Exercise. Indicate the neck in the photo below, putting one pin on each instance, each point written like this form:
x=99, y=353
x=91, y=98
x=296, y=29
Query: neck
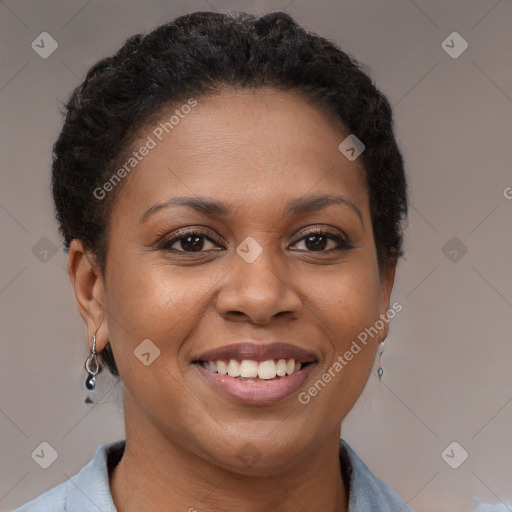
x=156, y=474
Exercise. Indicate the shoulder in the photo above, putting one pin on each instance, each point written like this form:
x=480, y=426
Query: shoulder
x=87, y=491
x=367, y=492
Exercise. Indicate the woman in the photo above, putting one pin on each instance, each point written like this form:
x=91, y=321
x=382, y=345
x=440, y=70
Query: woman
x=232, y=198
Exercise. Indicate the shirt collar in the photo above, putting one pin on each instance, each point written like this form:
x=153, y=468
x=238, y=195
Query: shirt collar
x=89, y=490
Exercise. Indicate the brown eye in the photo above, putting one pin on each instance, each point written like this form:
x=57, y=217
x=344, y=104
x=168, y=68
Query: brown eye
x=189, y=242
x=192, y=243
x=319, y=241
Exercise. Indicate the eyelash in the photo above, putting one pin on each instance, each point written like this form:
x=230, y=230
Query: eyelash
x=166, y=245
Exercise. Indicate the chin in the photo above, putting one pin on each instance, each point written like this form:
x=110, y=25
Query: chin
x=259, y=455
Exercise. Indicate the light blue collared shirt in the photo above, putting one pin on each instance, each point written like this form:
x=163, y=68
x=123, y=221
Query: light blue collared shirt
x=89, y=491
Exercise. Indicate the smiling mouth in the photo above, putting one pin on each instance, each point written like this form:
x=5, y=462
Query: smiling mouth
x=252, y=382
x=247, y=370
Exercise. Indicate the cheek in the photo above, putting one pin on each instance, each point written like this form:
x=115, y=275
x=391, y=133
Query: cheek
x=346, y=302
x=153, y=301
x=345, y=314
x=346, y=308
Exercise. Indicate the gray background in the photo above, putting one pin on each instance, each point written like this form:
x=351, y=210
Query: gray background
x=448, y=359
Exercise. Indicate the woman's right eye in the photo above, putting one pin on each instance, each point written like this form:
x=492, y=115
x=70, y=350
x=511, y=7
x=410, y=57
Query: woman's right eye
x=188, y=242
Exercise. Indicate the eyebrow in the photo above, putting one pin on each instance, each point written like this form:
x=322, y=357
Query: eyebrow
x=215, y=208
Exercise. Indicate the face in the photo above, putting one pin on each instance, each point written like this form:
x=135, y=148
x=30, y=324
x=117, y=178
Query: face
x=271, y=242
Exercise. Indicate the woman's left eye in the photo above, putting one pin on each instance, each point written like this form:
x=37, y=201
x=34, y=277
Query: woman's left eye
x=197, y=242
x=318, y=241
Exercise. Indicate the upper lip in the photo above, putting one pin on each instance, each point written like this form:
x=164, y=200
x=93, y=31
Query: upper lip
x=258, y=352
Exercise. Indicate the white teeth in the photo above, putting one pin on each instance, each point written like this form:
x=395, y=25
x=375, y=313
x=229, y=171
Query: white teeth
x=222, y=368
x=281, y=367
x=249, y=369
x=233, y=368
x=267, y=370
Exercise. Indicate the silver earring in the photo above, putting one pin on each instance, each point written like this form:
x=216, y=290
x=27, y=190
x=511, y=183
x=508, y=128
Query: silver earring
x=92, y=366
x=380, y=371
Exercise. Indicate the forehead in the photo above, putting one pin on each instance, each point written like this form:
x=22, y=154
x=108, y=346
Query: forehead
x=241, y=146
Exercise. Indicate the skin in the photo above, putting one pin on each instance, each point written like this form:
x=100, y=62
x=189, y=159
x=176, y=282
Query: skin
x=254, y=150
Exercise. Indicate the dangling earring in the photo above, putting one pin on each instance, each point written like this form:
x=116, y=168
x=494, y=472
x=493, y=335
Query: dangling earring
x=93, y=367
x=380, y=371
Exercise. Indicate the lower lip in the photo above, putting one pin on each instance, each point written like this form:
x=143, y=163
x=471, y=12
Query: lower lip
x=263, y=392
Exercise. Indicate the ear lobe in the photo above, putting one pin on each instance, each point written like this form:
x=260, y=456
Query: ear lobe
x=88, y=285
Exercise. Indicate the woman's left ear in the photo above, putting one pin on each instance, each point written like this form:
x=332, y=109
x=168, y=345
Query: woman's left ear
x=387, y=280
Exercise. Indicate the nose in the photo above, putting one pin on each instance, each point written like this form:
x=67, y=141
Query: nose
x=258, y=293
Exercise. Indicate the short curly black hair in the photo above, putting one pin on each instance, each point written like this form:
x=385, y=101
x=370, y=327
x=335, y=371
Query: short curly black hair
x=197, y=55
